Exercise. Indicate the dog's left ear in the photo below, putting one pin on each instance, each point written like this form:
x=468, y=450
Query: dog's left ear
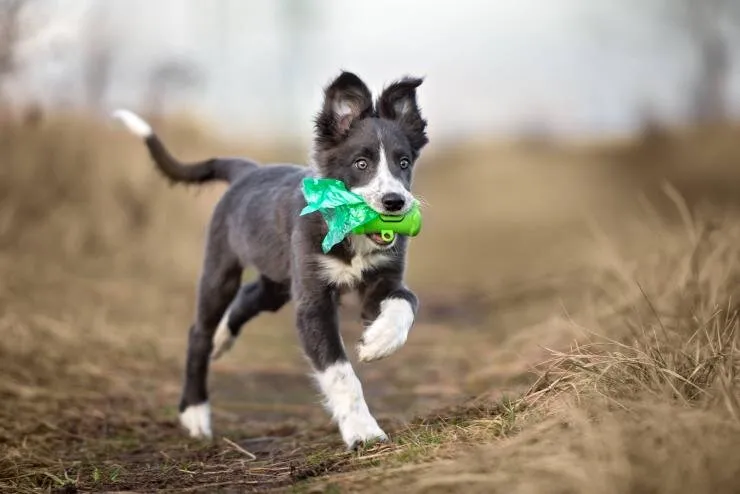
x=398, y=102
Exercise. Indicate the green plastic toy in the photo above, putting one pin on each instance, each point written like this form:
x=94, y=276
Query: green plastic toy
x=346, y=212
x=388, y=226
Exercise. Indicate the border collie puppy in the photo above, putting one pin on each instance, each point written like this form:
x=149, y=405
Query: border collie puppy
x=369, y=145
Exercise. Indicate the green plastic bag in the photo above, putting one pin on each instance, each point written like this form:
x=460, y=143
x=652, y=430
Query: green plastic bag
x=342, y=210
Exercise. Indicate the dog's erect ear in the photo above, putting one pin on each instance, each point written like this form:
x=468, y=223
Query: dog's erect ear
x=346, y=100
x=398, y=102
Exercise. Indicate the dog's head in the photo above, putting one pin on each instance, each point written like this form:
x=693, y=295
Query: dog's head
x=371, y=147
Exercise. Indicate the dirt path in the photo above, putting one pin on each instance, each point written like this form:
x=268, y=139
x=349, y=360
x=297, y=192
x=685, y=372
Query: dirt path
x=99, y=413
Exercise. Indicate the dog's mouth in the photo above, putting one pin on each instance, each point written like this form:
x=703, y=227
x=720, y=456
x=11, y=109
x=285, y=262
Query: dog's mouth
x=378, y=239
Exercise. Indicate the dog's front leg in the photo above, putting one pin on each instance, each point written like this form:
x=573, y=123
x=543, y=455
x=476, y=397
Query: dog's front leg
x=316, y=312
x=390, y=308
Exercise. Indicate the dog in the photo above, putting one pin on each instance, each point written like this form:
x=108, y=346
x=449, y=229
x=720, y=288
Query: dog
x=371, y=146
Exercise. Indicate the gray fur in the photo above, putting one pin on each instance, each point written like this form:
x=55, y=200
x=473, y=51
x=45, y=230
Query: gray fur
x=257, y=224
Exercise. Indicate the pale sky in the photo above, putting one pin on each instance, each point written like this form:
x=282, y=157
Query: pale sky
x=490, y=65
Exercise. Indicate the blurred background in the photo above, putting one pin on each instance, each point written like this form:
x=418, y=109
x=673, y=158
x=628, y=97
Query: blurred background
x=568, y=68
x=568, y=138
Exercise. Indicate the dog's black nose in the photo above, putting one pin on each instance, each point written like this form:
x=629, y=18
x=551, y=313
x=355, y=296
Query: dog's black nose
x=393, y=202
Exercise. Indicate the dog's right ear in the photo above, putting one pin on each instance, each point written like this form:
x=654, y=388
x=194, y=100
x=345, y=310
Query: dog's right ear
x=346, y=100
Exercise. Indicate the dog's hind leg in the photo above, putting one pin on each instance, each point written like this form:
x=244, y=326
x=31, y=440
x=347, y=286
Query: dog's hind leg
x=263, y=295
x=218, y=285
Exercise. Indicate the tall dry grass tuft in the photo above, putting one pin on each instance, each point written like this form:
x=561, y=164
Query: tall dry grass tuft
x=678, y=339
x=654, y=448
x=663, y=362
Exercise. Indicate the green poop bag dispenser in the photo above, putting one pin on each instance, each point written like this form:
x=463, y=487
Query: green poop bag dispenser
x=388, y=226
x=347, y=213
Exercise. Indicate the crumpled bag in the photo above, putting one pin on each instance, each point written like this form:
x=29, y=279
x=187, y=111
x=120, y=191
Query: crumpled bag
x=342, y=210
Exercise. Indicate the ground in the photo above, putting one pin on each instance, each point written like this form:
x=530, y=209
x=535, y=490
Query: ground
x=577, y=331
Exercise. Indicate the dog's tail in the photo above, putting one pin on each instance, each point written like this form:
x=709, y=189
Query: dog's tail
x=225, y=169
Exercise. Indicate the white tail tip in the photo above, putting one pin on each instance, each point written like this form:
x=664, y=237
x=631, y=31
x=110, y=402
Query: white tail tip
x=133, y=123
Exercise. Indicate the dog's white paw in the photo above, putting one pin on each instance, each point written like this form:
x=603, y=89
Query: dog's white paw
x=360, y=428
x=223, y=340
x=197, y=420
x=345, y=401
x=388, y=332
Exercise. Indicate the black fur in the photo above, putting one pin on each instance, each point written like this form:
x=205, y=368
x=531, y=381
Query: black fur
x=398, y=103
x=349, y=90
x=257, y=224
x=253, y=298
x=380, y=285
x=203, y=171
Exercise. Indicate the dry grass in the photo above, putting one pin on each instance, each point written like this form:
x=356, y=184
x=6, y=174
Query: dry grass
x=646, y=401
x=636, y=388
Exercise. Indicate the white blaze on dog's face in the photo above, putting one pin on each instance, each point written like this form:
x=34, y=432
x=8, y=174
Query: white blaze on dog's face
x=386, y=191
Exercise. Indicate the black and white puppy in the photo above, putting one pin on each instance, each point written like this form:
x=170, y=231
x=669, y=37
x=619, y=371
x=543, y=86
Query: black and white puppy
x=372, y=148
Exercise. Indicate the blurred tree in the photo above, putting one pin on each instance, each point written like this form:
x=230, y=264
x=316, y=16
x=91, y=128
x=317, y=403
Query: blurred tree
x=173, y=75
x=99, y=56
x=536, y=133
x=708, y=29
x=297, y=19
x=10, y=37
x=709, y=26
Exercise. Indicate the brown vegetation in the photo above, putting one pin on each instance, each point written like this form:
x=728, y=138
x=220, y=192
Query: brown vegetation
x=585, y=343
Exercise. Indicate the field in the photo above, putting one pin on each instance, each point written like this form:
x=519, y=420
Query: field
x=578, y=330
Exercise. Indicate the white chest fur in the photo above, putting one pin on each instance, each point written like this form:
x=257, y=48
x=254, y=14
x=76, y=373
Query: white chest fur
x=340, y=273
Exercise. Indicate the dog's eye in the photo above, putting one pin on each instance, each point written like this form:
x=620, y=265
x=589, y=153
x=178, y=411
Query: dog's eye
x=404, y=163
x=361, y=164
